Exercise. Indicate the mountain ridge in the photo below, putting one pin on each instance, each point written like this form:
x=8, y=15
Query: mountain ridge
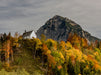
x=58, y=28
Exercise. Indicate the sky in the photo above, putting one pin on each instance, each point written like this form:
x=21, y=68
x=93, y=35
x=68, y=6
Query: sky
x=21, y=15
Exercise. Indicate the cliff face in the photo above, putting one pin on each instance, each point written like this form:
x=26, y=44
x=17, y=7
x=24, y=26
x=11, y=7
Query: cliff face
x=58, y=28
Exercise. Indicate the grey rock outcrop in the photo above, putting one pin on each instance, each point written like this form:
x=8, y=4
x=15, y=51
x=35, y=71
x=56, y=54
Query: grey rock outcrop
x=58, y=28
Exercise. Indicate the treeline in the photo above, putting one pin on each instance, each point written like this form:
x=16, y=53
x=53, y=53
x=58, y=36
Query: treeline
x=7, y=46
x=75, y=57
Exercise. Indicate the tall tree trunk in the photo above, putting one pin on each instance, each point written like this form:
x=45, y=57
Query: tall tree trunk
x=7, y=53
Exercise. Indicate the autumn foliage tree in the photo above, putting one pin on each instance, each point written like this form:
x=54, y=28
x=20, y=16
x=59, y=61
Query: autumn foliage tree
x=74, y=57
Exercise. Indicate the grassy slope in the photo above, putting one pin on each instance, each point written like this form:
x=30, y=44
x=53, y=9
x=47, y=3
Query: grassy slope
x=24, y=59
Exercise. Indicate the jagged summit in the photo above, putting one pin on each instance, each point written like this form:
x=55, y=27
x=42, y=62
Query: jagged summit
x=57, y=17
x=58, y=28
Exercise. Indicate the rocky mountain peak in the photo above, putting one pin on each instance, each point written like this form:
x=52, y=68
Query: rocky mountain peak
x=58, y=28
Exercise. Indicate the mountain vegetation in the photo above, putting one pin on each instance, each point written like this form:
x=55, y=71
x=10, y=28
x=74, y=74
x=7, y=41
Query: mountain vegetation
x=62, y=48
x=43, y=56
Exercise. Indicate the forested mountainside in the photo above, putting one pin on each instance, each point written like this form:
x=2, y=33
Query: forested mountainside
x=62, y=48
x=59, y=28
x=43, y=56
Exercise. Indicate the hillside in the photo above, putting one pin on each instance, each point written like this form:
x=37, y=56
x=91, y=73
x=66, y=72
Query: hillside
x=59, y=28
x=46, y=56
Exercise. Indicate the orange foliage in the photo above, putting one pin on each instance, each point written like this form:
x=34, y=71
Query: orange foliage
x=59, y=67
x=51, y=60
x=96, y=66
x=84, y=42
x=47, y=52
x=8, y=50
x=75, y=40
x=72, y=59
x=87, y=67
x=90, y=58
x=62, y=44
